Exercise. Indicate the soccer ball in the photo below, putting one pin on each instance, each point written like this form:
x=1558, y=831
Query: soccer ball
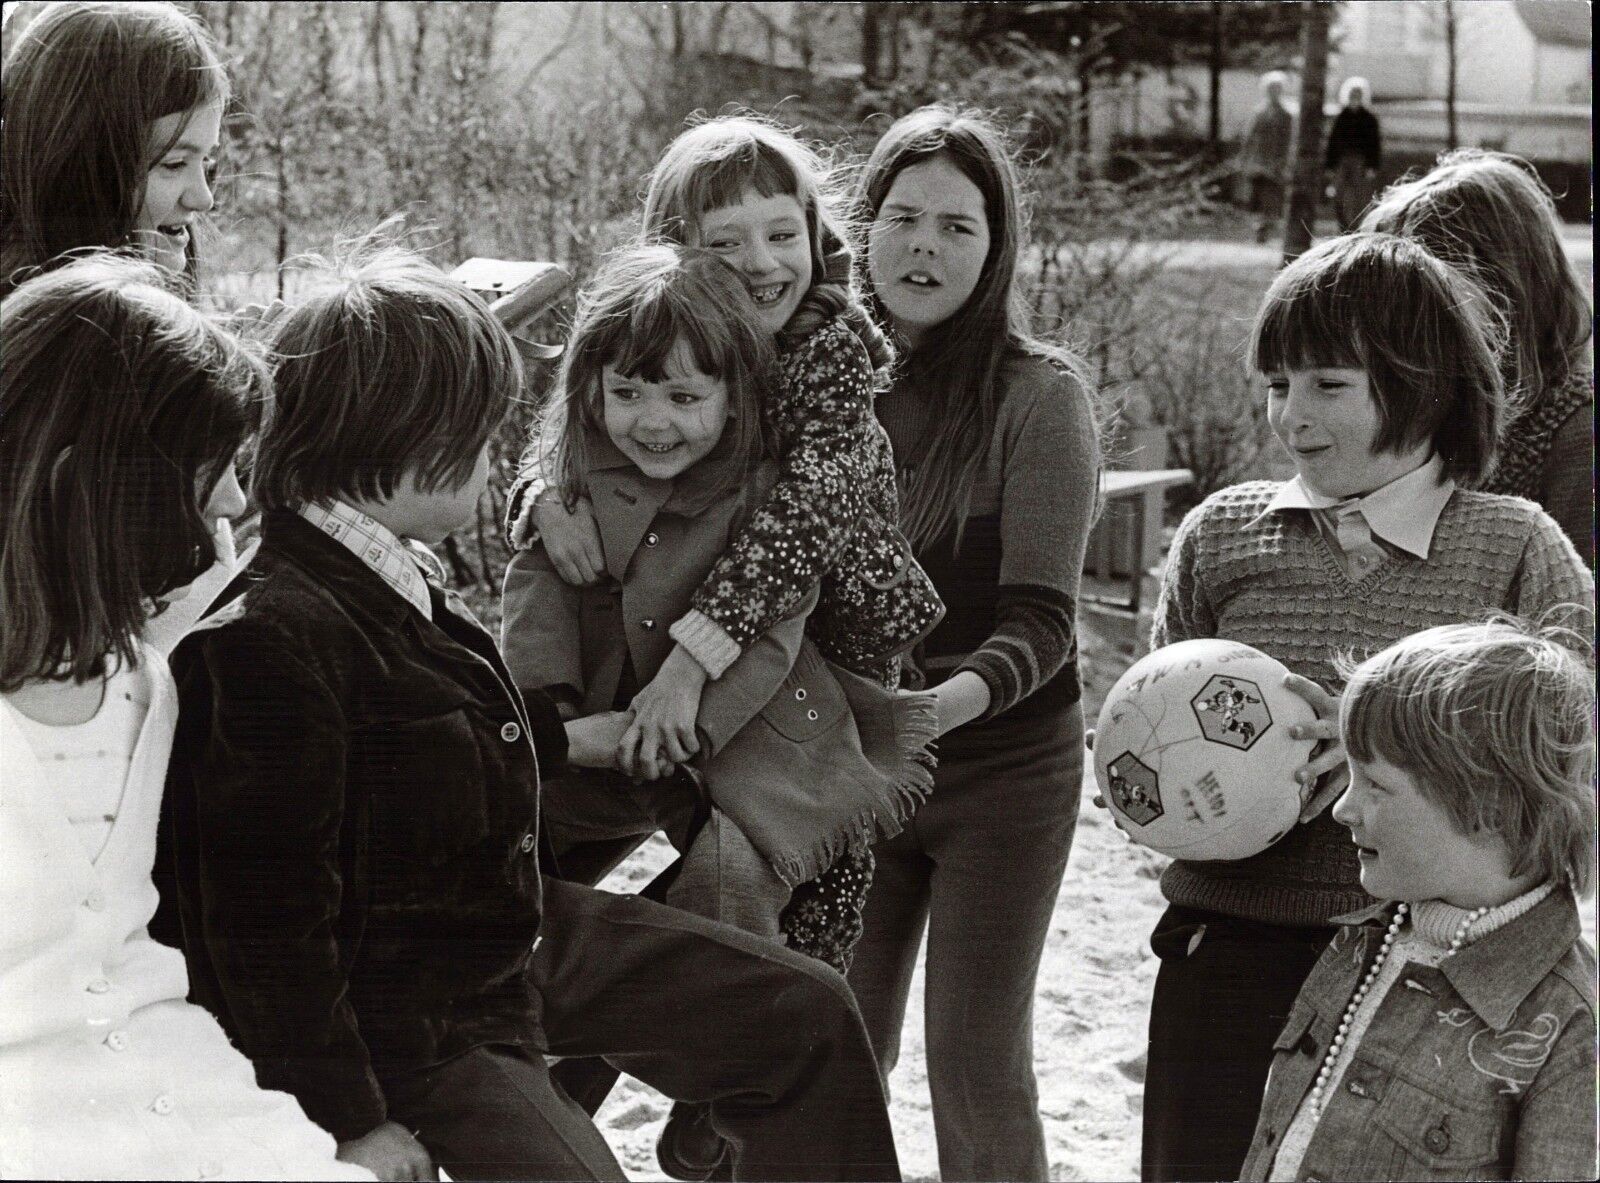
x=1193, y=754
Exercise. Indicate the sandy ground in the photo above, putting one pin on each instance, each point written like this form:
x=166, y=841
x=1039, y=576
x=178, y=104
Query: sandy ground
x=1089, y=1022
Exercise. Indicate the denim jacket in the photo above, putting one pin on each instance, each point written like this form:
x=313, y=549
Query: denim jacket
x=1482, y=1068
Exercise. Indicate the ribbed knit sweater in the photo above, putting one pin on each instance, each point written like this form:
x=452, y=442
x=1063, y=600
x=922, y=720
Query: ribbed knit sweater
x=1011, y=589
x=1271, y=582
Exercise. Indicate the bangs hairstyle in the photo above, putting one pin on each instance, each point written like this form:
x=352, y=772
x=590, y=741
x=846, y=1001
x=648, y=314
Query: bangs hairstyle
x=959, y=368
x=1490, y=215
x=391, y=368
x=649, y=309
x=120, y=409
x=1496, y=723
x=716, y=163
x=1426, y=336
x=82, y=87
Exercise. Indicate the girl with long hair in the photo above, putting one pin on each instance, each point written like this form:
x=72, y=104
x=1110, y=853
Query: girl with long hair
x=999, y=463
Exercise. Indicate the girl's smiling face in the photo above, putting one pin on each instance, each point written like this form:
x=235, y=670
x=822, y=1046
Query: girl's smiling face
x=766, y=241
x=665, y=427
x=1411, y=849
x=177, y=189
x=1327, y=420
x=927, y=245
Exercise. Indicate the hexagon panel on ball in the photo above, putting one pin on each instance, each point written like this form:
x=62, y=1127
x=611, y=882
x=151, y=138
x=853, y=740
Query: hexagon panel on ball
x=1231, y=711
x=1135, y=789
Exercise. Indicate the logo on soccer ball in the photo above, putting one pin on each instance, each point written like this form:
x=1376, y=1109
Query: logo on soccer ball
x=1231, y=711
x=1135, y=789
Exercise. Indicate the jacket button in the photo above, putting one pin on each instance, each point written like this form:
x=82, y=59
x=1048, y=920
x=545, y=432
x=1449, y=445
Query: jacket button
x=812, y=715
x=800, y=694
x=511, y=733
x=651, y=539
x=648, y=624
x=117, y=1041
x=1437, y=1140
x=162, y=1105
x=99, y=986
x=528, y=843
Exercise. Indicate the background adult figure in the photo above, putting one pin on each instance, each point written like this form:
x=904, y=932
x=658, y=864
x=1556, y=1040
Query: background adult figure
x=1490, y=214
x=1264, y=154
x=1354, y=149
x=998, y=461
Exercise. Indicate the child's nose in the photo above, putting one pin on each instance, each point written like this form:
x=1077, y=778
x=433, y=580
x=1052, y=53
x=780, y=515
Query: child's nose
x=758, y=259
x=1344, y=809
x=198, y=198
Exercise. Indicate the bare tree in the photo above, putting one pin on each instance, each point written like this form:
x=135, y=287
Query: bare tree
x=1305, y=185
x=1452, y=30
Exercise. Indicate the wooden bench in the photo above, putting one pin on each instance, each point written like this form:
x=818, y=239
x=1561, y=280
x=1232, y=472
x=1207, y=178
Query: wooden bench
x=1134, y=512
x=519, y=293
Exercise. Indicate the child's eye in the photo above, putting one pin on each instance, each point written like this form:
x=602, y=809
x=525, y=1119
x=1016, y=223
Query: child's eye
x=961, y=228
x=784, y=236
x=622, y=393
x=685, y=398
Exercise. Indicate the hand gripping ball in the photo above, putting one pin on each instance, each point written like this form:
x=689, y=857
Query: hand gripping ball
x=1193, y=754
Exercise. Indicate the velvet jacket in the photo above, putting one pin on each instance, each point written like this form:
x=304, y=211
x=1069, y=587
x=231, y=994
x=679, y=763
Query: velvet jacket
x=351, y=824
x=1482, y=1068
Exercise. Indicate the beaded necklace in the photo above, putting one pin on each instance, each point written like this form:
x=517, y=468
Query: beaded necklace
x=1360, y=995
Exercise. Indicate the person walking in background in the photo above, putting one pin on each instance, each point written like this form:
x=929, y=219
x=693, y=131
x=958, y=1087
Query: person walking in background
x=998, y=456
x=1489, y=214
x=1354, y=150
x=1264, y=154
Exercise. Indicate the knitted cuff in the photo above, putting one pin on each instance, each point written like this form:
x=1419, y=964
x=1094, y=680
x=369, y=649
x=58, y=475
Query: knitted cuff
x=519, y=502
x=706, y=641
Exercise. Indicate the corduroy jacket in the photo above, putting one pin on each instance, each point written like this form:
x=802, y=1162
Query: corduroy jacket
x=351, y=825
x=1483, y=1068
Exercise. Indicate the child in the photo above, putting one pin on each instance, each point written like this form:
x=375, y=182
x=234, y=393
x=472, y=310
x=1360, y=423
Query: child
x=753, y=194
x=121, y=409
x=1450, y=1031
x=113, y=113
x=1384, y=389
x=354, y=812
x=1490, y=215
x=658, y=423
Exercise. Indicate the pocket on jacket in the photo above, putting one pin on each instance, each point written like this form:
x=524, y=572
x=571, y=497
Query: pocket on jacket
x=809, y=702
x=1434, y=1138
x=427, y=782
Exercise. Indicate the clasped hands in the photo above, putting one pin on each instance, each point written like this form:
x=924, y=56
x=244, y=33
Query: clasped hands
x=655, y=735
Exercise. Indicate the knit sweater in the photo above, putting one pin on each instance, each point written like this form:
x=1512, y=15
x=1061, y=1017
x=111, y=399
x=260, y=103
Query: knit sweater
x=1270, y=581
x=1011, y=589
x=1547, y=455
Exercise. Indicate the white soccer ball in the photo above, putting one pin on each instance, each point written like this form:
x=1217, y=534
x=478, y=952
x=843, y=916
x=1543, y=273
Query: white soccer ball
x=1193, y=754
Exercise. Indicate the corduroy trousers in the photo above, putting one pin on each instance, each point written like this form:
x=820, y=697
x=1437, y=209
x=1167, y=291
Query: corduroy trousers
x=979, y=867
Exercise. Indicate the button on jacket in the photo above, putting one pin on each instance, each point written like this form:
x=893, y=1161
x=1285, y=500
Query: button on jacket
x=1483, y=1068
x=351, y=814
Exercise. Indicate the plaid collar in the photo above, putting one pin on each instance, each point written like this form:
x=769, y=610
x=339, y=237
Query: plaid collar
x=397, y=562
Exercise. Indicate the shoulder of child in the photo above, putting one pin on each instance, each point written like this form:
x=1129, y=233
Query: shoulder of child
x=834, y=340
x=1577, y=970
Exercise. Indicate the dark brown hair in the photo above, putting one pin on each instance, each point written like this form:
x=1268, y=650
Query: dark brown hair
x=1426, y=336
x=120, y=408
x=959, y=368
x=643, y=303
x=391, y=368
x=82, y=87
x=1490, y=215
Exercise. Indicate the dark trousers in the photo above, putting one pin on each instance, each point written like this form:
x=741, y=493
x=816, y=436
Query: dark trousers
x=703, y=1012
x=979, y=867
x=1223, y=992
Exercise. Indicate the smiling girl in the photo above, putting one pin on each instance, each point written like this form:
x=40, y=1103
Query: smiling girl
x=750, y=193
x=1382, y=385
x=112, y=118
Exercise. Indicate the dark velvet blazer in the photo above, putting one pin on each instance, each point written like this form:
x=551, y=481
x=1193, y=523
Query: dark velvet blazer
x=349, y=832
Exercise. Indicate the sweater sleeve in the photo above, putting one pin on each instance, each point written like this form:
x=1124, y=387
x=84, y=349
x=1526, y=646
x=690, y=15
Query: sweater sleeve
x=799, y=531
x=1183, y=611
x=1554, y=586
x=1566, y=487
x=270, y=822
x=1049, y=491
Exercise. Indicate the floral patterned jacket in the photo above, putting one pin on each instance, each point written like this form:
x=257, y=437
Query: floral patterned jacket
x=1483, y=1068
